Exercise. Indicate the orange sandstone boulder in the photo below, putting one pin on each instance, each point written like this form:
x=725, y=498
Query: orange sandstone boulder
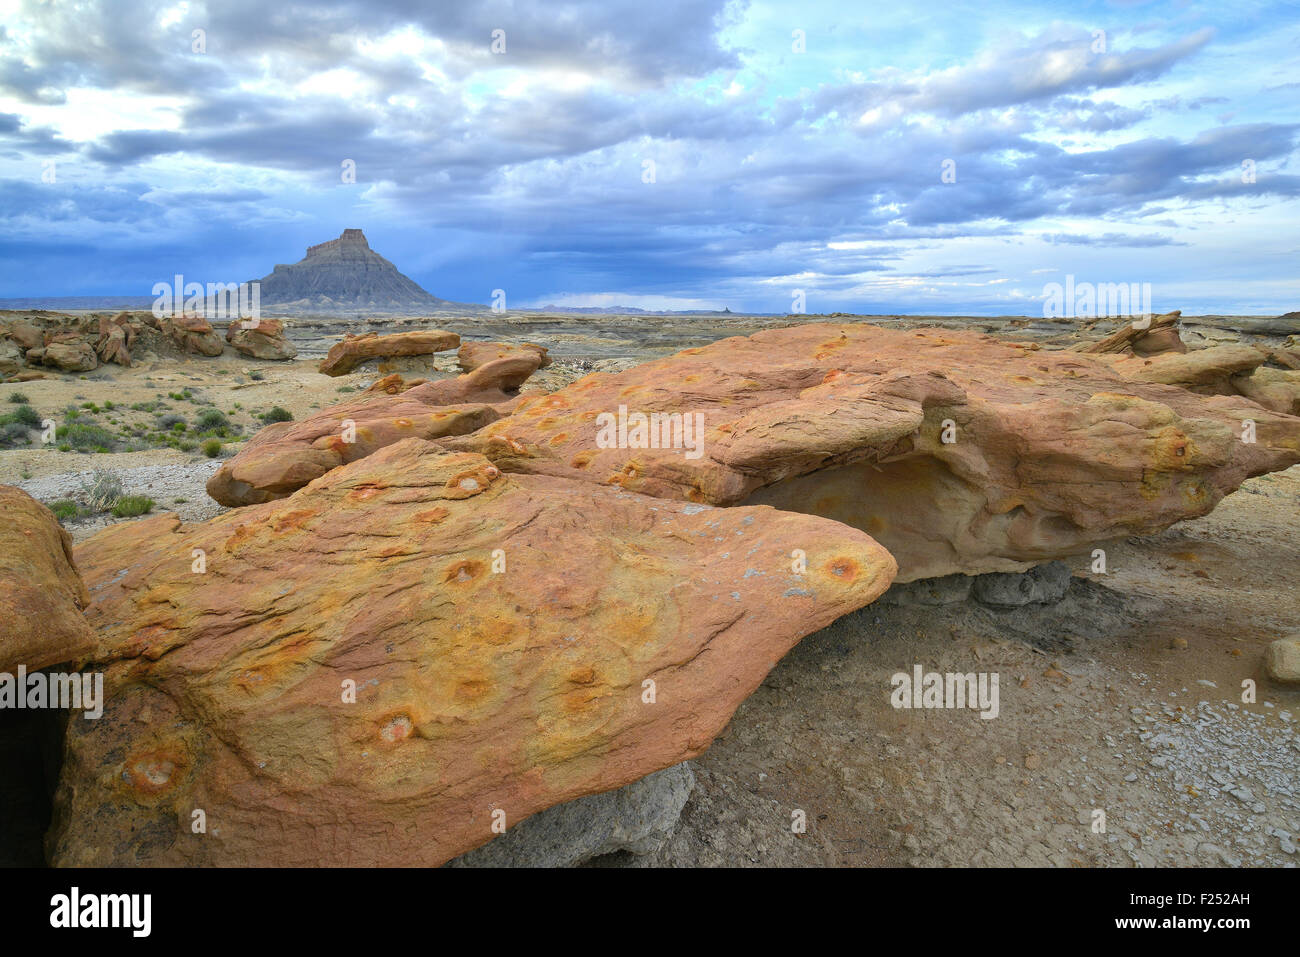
x=115, y=337
x=957, y=451
x=286, y=456
x=474, y=354
x=377, y=669
x=193, y=335
x=260, y=339
x=348, y=353
x=41, y=596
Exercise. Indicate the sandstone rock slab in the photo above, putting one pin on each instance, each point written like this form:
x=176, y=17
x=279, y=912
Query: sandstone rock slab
x=284, y=457
x=614, y=639
x=957, y=451
x=348, y=353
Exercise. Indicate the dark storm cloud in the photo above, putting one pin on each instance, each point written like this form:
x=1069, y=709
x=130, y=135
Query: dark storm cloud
x=533, y=160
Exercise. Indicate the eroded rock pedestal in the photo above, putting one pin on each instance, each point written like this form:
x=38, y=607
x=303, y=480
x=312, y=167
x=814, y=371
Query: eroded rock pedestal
x=512, y=642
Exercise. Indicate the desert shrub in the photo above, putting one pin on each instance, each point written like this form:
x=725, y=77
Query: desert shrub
x=65, y=509
x=103, y=490
x=211, y=419
x=12, y=434
x=88, y=438
x=129, y=506
x=170, y=421
x=212, y=448
x=18, y=397
x=254, y=375
x=276, y=414
x=24, y=415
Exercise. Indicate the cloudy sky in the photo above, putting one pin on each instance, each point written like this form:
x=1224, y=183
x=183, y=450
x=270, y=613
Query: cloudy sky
x=666, y=154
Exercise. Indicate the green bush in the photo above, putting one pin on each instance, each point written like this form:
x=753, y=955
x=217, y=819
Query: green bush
x=276, y=414
x=211, y=419
x=23, y=415
x=18, y=397
x=170, y=421
x=212, y=448
x=88, y=438
x=129, y=506
x=65, y=509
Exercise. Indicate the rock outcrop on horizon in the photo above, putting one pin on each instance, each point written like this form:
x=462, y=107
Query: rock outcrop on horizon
x=375, y=670
x=957, y=451
x=344, y=273
x=284, y=457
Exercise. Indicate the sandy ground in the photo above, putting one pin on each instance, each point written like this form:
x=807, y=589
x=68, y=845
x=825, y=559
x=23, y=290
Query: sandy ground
x=1125, y=698
x=1102, y=708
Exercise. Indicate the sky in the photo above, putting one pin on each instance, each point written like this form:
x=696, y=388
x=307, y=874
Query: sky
x=678, y=154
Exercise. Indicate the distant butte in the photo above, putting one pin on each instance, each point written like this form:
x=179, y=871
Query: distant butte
x=344, y=274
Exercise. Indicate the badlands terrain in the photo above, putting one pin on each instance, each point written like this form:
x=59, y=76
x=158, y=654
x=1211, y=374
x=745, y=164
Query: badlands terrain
x=1120, y=687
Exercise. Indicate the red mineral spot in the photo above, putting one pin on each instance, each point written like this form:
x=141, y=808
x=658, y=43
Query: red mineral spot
x=397, y=728
x=843, y=568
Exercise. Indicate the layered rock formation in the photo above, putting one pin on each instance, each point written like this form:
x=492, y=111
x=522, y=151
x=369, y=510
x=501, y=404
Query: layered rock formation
x=40, y=592
x=1159, y=334
x=416, y=647
x=344, y=273
x=959, y=452
x=284, y=457
x=349, y=352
